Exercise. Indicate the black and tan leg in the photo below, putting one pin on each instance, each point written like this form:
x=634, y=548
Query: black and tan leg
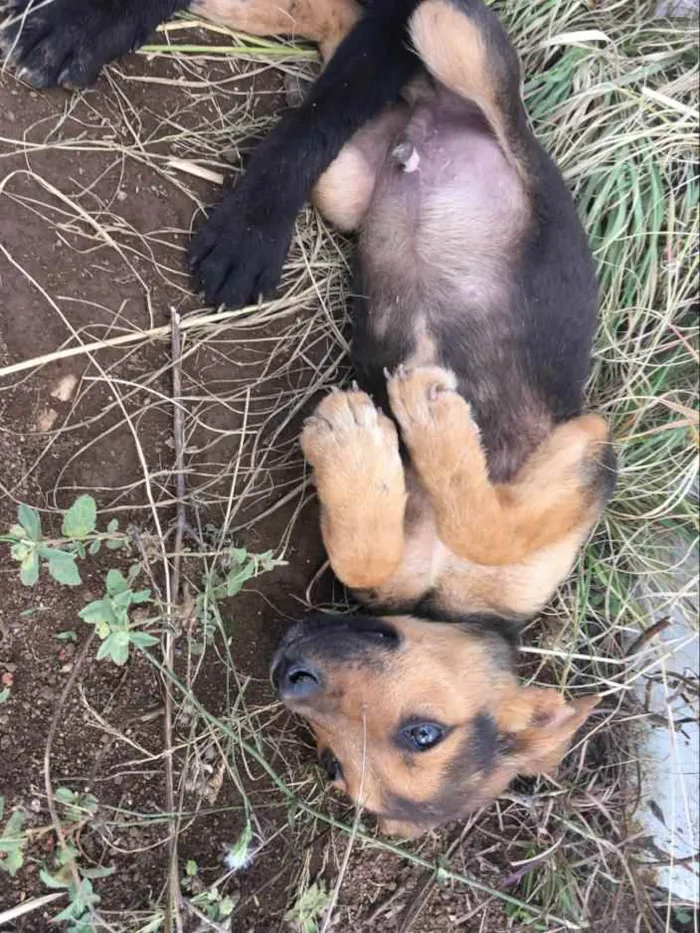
x=464, y=47
x=343, y=192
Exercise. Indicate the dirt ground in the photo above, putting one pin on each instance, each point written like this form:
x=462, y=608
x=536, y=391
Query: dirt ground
x=59, y=274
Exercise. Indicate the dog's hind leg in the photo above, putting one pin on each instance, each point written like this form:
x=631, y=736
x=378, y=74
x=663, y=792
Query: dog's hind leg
x=343, y=192
x=559, y=492
x=464, y=47
x=354, y=451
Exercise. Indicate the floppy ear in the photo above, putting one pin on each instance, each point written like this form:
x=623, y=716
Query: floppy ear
x=537, y=725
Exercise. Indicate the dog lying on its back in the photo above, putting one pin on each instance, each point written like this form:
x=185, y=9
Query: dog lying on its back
x=473, y=329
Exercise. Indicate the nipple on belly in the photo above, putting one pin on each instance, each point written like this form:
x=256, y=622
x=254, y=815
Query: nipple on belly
x=406, y=155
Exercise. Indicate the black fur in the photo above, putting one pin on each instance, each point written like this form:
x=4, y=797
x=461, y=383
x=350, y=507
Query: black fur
x=238, y=254
x=68, y=41
x=338, y=637
x=506, y=629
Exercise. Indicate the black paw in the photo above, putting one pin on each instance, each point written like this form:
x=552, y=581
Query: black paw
x=237, y=256
x=67, y=42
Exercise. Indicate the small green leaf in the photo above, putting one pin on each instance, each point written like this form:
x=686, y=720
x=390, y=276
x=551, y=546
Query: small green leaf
x=238, y=555
x=4, y=695
x=116, y=647
x=52, y=881
x=237, y=577
x=21, y=549
x=65, y=795
x=99, y=610
x=16, y=531
x=105, y=649
x=113, y=526
x=191, y=868
x=29, y=569
x=116, y=583
x=142, y=639
x=12, y=844
x=30, y=520
x=95, y=547
x=268, y=562
x=63, y=568
x=66, y=636
x=141, y=596
x=80, y=519
x=121, y=602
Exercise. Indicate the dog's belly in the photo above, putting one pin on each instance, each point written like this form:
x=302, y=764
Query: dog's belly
x=438, y=252
x=447, y=209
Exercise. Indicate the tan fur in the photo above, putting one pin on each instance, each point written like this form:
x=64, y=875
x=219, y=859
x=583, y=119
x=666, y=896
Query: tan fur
x=548, y=499
x=326, y=22
x=477, y=546
x=427, y=564
x=354, y=451
x=344, y=191
x=456, y=677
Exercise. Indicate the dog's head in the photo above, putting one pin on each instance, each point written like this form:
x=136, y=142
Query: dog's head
x=420, y=722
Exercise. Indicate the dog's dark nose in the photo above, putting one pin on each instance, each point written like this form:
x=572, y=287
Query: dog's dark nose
x=295, y=680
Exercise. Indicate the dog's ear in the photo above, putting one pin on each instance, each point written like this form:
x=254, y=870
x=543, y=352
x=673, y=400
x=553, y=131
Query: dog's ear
x=537, y=724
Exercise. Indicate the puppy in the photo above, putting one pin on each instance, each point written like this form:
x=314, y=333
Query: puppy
x=455, y=515
x=454, y=519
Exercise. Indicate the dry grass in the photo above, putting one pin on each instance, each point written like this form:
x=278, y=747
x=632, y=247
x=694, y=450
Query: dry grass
x=613, y=94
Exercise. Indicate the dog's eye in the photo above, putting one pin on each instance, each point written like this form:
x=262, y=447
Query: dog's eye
x=331, y=765
x=423, y=735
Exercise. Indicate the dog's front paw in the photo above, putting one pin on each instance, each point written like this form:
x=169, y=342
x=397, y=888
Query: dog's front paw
x=347, y=435
x=67, y=42
x=354, y=450
x=436, y=422
x=425, y=398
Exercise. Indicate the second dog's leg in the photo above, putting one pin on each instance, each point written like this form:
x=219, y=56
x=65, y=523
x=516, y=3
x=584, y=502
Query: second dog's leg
x=325, y=22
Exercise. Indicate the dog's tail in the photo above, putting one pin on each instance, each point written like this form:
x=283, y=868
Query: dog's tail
x=465, y=48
